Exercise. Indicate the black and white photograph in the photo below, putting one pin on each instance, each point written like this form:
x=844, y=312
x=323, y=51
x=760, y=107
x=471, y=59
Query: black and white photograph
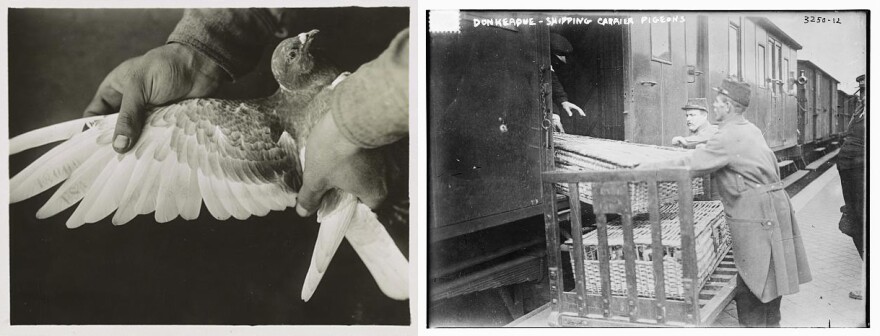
x=647, y=168
x=209, y=166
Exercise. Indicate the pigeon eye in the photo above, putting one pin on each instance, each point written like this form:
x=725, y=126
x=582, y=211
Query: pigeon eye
x=292, y=54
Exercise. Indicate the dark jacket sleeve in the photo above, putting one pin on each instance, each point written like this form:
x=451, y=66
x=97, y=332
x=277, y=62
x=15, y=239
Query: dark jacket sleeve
x=371, y=107
x=234, y=38
x=852, y=152
x=559, y=95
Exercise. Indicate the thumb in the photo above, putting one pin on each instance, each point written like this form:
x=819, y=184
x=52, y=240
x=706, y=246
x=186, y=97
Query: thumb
x=310, y=195
x=131, y=117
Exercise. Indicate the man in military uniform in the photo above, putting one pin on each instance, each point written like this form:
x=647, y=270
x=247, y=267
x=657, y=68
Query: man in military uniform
x=698, y=124
x=851, y=166
x=767, y=245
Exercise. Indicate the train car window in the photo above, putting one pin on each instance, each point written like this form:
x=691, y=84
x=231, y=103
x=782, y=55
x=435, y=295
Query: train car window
x=762, y=67
x=776, y=64
x=734, y=52
x=789, y=82
x=778, y=60
x=660, y=44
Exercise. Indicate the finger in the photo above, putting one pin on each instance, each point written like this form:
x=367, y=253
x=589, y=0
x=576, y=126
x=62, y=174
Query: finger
x=131, y=116
x=310, y=195
x=106, y=101
x=374, y=197
x=582, y=112
x=368, y=179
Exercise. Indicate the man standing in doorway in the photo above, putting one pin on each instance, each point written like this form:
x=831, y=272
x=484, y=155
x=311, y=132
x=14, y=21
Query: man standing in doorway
x=559, y=48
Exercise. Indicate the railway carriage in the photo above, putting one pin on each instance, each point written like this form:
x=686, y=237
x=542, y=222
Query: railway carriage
x=490, y=105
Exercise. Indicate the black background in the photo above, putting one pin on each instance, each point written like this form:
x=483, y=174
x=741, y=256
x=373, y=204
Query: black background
x=182, y=272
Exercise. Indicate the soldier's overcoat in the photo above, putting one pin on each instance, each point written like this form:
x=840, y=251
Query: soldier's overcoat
x=768, y=249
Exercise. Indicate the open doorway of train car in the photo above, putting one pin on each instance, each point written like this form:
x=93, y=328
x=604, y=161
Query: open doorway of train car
x=596, y=75
x=593, y=78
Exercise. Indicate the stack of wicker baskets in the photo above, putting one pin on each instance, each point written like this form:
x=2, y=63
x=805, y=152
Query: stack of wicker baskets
x=582, y=153
x=712, y=243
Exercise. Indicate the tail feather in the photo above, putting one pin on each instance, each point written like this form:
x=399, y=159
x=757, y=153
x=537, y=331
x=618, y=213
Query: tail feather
x=384, y=260
x=335, y=216
x=375, y=247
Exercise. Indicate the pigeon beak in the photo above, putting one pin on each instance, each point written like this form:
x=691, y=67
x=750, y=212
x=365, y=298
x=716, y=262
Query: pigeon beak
x=307, y=38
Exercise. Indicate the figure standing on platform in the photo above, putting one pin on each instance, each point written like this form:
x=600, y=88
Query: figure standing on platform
x=698, y=124
x=767, y=244
x=851, y=167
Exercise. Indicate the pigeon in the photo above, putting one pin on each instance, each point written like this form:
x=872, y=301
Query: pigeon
x=241, y=158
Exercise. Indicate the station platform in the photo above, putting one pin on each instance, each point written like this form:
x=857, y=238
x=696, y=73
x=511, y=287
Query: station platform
x=834, y=262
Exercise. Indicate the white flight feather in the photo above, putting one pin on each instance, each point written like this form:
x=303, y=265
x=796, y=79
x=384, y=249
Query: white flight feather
x=166, y=201
x=50, y=134
x=51, y=168
x=140, y=193
x=191, y=204
x=210, y=197
x=150, y=193
x=114, y=186
x=78, y=218
x=76, y=186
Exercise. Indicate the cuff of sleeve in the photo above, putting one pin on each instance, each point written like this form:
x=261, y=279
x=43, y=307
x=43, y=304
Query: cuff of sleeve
x=232, y=38
x=371, y=107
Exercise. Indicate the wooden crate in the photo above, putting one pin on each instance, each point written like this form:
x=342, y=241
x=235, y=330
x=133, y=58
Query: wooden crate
x=712, y=243
x=699, y=305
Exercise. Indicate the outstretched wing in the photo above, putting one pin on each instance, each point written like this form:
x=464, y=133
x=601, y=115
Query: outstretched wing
x=234, y=157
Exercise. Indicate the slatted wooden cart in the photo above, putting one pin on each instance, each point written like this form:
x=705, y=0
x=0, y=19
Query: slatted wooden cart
x=702, y=301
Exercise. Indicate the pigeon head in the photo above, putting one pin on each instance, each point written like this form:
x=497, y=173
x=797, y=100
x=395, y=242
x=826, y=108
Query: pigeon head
x=292, y=62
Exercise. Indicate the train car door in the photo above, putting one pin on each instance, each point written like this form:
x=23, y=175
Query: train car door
x=696, y=49
x=485, y=123
x=774, y=123
x=659, y=79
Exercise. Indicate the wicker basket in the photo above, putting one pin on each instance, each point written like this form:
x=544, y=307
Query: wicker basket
x=712, y=243
x=582, y=153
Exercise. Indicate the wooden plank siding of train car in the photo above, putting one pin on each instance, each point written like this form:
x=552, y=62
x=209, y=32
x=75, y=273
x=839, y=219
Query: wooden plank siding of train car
x=773, y=108
x=486, y=116
x=808, y=104
x=658, y=83
x=819, y=102
x=790, y=119
x=732, y=49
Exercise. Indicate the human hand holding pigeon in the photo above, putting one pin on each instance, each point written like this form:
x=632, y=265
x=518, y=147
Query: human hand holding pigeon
x=341, y=164
x=162, y=75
